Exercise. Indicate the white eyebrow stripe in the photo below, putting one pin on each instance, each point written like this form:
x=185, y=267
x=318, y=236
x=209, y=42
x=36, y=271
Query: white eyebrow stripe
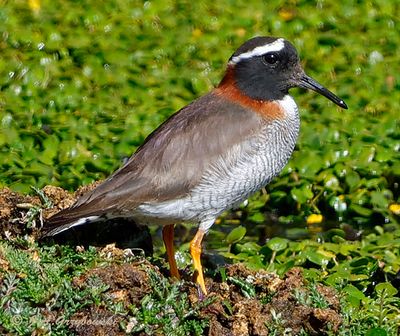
x=277, y=45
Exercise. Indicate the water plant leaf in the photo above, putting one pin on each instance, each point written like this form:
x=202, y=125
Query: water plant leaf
x=236, y=235
x=277, y=244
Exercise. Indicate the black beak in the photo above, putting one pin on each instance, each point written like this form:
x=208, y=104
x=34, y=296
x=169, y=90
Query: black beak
x=307, y=82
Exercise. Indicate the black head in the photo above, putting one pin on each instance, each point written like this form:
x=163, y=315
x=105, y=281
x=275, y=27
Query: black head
x=265, y=68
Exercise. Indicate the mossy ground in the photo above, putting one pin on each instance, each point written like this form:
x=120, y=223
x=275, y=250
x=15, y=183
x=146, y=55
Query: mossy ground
x=71, y=289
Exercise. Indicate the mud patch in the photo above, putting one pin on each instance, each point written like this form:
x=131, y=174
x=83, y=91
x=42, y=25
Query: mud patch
x=24, y=214
x=127, y=284
x=14, y=208
x=273, y=308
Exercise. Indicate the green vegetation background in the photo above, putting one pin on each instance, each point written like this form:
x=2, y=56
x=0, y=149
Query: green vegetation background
x=83, y=83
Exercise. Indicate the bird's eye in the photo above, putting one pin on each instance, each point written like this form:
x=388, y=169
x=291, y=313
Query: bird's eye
x=271, y=58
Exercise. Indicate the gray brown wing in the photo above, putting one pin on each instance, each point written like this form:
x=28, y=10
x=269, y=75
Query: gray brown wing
x=173, y=158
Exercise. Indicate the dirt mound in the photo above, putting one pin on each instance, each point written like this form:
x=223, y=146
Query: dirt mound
x=242, y=301
x=273, y=305
x=24, y=214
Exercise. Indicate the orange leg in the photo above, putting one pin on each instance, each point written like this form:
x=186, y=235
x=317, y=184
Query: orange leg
x=168, y=237
x=195, y=251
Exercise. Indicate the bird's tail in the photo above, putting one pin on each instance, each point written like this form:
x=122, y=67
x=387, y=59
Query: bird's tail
x=68, y=218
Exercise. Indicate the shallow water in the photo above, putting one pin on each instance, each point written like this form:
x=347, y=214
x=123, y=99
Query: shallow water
x=258, y=233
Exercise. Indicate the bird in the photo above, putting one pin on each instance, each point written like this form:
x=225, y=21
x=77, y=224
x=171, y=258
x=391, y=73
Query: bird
x=211, y=155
